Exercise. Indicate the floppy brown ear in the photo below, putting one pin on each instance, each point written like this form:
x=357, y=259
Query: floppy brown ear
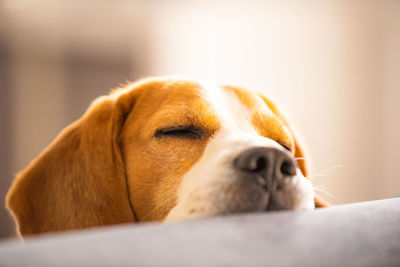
x=79, y=180
x=299, y=148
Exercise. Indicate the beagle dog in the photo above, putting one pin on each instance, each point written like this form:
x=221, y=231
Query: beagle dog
x=164, y=149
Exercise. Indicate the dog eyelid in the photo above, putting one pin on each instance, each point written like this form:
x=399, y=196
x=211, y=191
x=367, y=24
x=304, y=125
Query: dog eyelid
x=286, y=147
x=189, y=132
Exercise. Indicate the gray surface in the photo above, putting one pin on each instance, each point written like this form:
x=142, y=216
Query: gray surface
x=363, y=234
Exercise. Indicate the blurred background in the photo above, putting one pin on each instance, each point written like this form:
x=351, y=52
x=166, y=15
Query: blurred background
x=333, y=65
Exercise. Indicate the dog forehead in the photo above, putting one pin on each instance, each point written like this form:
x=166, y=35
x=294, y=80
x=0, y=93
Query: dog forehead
x=179, y=100
x=234, y=107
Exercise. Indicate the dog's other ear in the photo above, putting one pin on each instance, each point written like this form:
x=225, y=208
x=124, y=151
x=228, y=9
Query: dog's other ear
x=300, y=153
x=79, y=180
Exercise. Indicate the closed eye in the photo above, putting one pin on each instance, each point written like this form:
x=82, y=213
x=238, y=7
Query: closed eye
x=286, y=147
x=188, y=132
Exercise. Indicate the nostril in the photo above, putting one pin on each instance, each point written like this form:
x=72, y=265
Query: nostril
x=288, y=168
x=261, y=164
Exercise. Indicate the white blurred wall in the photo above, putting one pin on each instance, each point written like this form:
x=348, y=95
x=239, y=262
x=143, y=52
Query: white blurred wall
x=333, y=65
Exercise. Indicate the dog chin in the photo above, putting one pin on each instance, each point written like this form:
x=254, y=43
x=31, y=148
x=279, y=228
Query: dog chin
x=219, y=199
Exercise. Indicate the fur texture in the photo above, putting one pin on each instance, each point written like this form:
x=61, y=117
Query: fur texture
x=111, y=167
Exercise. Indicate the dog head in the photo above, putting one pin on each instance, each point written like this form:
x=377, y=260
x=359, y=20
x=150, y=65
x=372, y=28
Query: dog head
x=164, y=149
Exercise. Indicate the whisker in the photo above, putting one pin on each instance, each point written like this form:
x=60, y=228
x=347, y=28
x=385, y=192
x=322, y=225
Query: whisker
x=316, y=188
x=323, y=173
x=303, y=158
x=317, y=175
x=329, y=169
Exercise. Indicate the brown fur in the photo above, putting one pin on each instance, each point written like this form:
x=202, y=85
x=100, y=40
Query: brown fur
x=107, y=168
x=155, y=167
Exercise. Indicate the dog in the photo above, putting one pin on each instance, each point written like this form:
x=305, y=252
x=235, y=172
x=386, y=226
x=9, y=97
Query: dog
x=164, y=149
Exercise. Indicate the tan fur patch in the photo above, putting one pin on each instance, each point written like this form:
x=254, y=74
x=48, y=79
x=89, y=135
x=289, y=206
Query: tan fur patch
x=155, y=166
x=264, y=118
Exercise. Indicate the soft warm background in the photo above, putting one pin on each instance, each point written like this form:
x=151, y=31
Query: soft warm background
x=334, y=65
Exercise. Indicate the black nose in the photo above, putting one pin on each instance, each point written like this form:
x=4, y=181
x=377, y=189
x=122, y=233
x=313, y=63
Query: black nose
x=271, y=164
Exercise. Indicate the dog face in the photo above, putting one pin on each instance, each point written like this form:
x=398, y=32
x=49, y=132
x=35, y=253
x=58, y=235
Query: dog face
x=164, y=149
